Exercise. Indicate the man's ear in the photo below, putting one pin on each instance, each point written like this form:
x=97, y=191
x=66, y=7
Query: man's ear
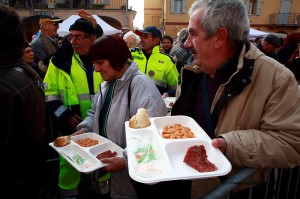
x=157, y=40
x=221, y=37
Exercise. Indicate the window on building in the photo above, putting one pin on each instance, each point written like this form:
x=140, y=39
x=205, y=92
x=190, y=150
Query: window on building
x=178, y=6
x=106, y=2
x=253, y=6
x=155, y=20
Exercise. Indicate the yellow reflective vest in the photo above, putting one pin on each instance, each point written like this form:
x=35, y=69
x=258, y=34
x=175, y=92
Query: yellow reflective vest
x=159, y=67
x=70, y=89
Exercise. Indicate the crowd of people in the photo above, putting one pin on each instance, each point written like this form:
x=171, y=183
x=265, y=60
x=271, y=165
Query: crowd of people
x=285, y=51
x=244, y=95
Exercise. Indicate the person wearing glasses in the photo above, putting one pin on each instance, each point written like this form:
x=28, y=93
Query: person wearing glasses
x=70, y=84
x=45, y=45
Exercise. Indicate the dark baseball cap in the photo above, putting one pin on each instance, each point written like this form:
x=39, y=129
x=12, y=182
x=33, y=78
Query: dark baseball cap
x=46, y=18
x=272, y=39
x=151, y=30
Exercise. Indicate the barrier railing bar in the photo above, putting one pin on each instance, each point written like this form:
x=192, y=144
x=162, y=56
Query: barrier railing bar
x=289, y=183
x=229, y=184
x=297, y=183
x=250, y=189
x=278, y=184
x=268, y=182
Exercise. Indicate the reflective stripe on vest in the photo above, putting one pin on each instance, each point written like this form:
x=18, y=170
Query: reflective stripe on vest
x=60, y=110
x=84, y=97
x=50, y=98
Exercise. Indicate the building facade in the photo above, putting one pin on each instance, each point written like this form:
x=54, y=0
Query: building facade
x=278, y=16
x=113, y=12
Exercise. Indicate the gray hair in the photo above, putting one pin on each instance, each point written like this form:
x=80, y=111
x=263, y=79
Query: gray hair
x=229, y=14
x=183, y=35
x=133, y=35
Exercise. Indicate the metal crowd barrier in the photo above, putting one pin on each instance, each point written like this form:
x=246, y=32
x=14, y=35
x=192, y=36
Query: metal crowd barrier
x=285, y=182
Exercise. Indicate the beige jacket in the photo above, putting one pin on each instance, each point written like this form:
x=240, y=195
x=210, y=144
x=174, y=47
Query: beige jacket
x=261, y=125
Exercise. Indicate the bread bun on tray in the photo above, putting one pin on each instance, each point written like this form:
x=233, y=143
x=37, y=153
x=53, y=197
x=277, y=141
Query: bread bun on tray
x=140, y=119
x=62, y=141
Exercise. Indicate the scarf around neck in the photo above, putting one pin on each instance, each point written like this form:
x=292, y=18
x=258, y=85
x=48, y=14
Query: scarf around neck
x=49, y=45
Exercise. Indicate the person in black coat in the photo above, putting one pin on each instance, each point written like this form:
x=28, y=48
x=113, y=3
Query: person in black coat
x=22, y=105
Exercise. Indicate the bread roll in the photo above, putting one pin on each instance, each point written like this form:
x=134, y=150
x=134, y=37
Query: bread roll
x=62, y=141
x=140, y=119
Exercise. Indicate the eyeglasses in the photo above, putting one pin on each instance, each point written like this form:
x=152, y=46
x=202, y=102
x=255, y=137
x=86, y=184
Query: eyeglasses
x=54, y=23
x=77, y=37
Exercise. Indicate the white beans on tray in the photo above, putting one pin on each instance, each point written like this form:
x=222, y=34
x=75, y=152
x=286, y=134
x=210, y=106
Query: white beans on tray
x=177, y=131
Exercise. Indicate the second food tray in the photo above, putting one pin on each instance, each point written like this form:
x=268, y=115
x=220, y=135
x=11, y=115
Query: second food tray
x=84, y=159
x=153, y=157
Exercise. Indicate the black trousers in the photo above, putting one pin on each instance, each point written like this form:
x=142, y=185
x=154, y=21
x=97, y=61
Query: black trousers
x=180, y=189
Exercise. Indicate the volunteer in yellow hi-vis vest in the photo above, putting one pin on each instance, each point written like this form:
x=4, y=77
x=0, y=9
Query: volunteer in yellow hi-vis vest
x=70, y=84
x=158, y=66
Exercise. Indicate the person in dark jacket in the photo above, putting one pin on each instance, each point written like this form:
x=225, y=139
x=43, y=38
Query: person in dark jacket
x=180, y=54
x=270, y=45
x=29, y=58
x=22, y=105
x=289, y=56
x=167, y=44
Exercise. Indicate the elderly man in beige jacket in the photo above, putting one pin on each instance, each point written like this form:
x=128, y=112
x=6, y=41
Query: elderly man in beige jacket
x=247, y=102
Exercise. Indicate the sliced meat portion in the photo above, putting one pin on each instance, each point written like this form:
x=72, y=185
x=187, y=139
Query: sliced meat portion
x=196, y=158
x=107, y=154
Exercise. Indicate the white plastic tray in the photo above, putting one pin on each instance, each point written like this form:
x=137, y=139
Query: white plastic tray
x=88, y=154
x=168, y=164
